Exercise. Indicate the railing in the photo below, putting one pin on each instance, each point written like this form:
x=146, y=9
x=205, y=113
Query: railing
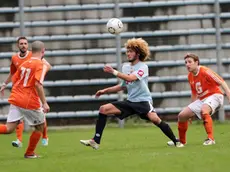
x=109, y=6
x=162, y=33
x=104, y=21
x=100, y=51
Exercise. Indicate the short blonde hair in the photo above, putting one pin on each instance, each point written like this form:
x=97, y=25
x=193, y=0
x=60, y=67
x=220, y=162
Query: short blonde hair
x=140, y=46
x=37, y=46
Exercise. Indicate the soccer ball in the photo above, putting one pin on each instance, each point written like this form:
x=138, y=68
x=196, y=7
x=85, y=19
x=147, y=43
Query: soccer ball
x=114, y=26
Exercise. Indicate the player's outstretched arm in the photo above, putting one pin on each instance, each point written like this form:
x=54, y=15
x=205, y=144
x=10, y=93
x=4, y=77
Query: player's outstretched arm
x=41, y=94
x=120, y=75
x=4, y=84
x=226, y=89
x=113, y=89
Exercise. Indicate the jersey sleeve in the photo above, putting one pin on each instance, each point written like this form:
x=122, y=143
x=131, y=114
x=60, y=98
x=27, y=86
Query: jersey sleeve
x=13, y=68
x=40, y=72
x=123, y=82
x=193, y=89
x=142, y=72
x=214, y=77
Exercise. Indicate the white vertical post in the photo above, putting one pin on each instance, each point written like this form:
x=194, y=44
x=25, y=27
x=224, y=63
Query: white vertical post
x=118, y=54
x=21, y=12
x=22, y=33
x=221, y=113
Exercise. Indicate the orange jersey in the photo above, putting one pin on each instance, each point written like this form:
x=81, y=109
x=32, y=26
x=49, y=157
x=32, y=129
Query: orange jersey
x=16, y=61
x=23, y=93
x=205, y=83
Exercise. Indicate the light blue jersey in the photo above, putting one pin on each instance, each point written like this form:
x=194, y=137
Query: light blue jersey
x=138, y=90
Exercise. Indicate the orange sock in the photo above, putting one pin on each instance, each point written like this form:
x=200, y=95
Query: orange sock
x=34, y=139
x=3, y=129
x=45, y=136
x=182, y=128
x=208, y=125
x=19, y=131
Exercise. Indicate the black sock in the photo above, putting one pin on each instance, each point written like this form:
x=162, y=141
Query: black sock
x=165, y=128
x=101, y=122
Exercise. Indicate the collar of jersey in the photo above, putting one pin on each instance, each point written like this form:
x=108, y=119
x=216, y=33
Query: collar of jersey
x=27, y=52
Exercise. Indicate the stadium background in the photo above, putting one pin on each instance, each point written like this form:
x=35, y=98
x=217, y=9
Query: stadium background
x=78, y=45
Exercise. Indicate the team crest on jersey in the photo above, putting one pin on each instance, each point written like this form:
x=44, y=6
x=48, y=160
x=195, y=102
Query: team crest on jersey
x=140, y=73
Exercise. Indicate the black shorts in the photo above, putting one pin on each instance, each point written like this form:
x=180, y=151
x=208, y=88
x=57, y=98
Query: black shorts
x=128, y=108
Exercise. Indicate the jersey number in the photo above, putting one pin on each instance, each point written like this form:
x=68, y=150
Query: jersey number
x=25, y=72
x=199, y=88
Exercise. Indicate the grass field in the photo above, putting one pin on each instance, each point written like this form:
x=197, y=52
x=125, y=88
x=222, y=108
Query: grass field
x=133, y=149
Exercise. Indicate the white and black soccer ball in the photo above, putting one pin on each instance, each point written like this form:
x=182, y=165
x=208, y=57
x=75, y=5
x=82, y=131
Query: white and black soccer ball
x=114, y=26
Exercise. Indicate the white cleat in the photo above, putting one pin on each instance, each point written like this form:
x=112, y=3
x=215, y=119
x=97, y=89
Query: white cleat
x=33, y=156
x=209, y=141
x=17, y=143
x=170, y=143
x=91, y=143
x=178, y=144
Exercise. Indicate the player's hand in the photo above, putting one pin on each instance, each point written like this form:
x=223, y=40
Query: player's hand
x=190, y=120
x=2, y=89
x=46, y=108
x=99, y=93
x=108, y=69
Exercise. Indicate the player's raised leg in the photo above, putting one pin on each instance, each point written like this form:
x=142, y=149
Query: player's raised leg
x=13, y=118
x=100, y=125
x=8, y=128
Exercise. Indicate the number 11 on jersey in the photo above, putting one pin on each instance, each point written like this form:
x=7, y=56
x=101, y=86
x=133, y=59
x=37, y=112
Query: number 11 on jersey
x=25, y=73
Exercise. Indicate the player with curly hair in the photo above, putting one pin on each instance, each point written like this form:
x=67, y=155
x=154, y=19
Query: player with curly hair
x=134, y=77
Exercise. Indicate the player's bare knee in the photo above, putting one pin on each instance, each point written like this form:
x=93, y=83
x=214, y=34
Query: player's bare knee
x=205, y=110
x=103, y=109
x=182, y=117
x=11, y=127
x=10, y=130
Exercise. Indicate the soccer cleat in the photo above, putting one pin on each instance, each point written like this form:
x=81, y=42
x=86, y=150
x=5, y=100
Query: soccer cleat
x=91, y=143
x=45, y=142
x=34, y=156
x=178, y=143
x=209, y=141
x=170, y=143
x=17, y=143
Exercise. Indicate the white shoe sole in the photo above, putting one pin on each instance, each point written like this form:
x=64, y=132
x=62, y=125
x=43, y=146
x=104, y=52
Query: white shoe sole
x=170, y=143
x=88, y=144
x=213, y=143
x=84, y=143
x=16, y=145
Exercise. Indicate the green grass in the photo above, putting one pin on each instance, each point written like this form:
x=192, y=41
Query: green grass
x=133, y=149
